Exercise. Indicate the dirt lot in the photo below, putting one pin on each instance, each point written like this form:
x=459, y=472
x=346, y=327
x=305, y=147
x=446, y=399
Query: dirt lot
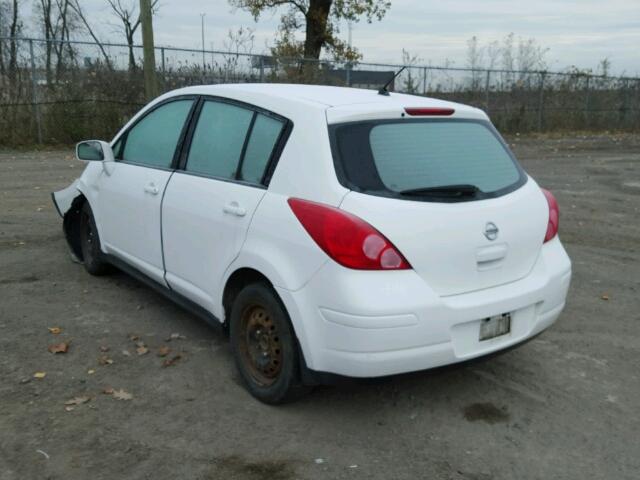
x=564, y=406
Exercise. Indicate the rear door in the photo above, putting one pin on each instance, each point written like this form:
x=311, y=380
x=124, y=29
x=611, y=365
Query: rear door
x=209, y=202
x=130, y=196
x=456, y=239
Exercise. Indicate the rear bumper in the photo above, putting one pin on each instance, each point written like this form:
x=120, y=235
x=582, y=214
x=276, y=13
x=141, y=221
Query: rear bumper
x=369, y=324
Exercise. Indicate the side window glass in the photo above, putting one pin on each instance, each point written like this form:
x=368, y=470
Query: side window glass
x=218, y=139
x=264, y=135
x=153, y=140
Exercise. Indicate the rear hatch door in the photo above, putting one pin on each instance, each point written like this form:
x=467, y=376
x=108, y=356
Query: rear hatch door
x=461, y=247
x=448, y=193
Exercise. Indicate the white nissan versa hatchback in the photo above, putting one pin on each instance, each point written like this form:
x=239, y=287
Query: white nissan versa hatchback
x=333, y=230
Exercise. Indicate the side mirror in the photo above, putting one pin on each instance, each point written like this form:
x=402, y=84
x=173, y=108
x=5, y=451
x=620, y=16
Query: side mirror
x=94, y=150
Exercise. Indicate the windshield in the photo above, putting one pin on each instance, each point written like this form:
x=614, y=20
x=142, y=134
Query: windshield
x=459, y=160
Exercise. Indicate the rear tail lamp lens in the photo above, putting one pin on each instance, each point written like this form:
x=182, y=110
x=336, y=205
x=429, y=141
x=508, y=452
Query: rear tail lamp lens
x=347, y=239
x=554, y=216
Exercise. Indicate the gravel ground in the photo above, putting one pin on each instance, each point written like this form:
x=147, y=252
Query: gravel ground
x=563, y=406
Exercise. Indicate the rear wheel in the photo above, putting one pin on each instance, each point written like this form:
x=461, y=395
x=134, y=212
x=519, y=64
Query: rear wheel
x=92, y=256
x=264, y=345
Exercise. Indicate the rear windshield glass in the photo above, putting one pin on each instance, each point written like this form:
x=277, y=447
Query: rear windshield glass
x=395, y=157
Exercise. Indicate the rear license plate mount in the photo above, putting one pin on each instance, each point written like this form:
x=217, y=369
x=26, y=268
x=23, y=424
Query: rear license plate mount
x=495, y=326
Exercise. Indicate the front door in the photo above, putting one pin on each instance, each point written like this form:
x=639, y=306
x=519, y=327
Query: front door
x=130, y=197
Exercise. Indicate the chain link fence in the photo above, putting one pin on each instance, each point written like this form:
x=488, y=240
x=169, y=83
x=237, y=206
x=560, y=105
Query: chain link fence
x=60, y=92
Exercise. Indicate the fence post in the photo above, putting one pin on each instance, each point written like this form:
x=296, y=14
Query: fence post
x=34, y=93
x=486, y=91
x=586, y=104
x=625, y=105
x=348, y=74
x=261, y=68
x=162, y=56
x=541, y=102
x=424, y=81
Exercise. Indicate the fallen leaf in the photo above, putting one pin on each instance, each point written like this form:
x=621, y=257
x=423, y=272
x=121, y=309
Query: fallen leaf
x=107, y=391
x=62, y=347
x=104, y=360
x=134, y=337
x=163, y=351
x=121, y=395
x=55, y=330
x=126, y=353
x=78, y=400
x=142, y=350
x=104, y=348
x=91, y=372
x=605, y=297
x=169, y=362
x=40, y=375
x=69, y=408
x=175, y=336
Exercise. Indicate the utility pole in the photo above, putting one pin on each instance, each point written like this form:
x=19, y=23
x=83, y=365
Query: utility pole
x=150, y=79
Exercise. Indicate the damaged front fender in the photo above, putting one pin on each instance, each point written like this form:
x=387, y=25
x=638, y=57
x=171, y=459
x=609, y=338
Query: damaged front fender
x=68, y=203
x=63, y=199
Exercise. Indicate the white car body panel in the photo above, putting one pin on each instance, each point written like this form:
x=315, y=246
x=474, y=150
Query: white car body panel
x=63, y=199
x=204, y=224
x=348, y=322
x=410, y=326
x=391, y=110
x=461, y=259
x=128, y=206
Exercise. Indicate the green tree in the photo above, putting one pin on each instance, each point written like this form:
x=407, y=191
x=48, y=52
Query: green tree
x=320, y=20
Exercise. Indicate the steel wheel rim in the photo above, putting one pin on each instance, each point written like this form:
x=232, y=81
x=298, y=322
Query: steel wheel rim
x=260, y=345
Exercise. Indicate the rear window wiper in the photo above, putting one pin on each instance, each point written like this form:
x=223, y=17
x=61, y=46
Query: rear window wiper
x=443, y=191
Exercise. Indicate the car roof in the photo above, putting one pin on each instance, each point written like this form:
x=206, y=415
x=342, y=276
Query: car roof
x=324, y=96
x=341, y=104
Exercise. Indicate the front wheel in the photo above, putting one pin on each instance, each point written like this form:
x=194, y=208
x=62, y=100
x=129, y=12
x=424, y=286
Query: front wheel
x=90, y=244
x=264, y=345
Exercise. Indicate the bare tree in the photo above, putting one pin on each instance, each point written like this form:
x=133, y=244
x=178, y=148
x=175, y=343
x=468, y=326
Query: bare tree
x=240, y=41
x=56, y=22
x=15, y=28
x=493, y=54
x=475, y=60
x=412, y=81
x=75, y=6
x=4, y=10
x=530, y=56
x=128, y=13
x=517, y=57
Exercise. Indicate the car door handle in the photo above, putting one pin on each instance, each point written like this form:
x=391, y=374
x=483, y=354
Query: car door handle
x=233, y=208
x=151, y=188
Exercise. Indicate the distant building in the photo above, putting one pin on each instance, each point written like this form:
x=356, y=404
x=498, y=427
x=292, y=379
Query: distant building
x=370, y=79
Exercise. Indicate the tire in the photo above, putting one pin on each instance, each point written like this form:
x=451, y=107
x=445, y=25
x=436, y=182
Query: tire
x=264, y=346
x=92, y=256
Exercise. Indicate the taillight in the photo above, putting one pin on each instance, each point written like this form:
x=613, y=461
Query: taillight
x=347, y=239
x=429, y=111
x=554, y=215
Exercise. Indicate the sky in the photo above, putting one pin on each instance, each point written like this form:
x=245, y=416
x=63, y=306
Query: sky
x=576, y=32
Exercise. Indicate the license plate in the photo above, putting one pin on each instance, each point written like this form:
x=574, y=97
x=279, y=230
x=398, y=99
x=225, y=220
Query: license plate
x=495, y=326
